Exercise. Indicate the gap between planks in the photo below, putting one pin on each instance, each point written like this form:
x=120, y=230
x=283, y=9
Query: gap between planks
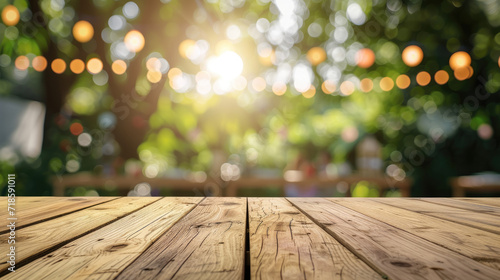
x=388, y=249
x=105, y=252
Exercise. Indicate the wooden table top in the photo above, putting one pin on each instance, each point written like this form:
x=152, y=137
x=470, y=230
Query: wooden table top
x=253, y=238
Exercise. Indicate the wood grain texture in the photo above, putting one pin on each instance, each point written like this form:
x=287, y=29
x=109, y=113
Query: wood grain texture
x=43, y=236
x=465, y=205
x=103, y=253
x=285, y=244
x=492, y=201
x=482, y=221
x=392, y=251
x=479, y=245
x=48, y=209
x=209, y=243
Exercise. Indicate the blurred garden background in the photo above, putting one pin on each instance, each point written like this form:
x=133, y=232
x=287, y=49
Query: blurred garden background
x=254, y=98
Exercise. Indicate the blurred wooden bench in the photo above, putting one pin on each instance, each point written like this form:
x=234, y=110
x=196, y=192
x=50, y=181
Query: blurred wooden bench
x=481, y=183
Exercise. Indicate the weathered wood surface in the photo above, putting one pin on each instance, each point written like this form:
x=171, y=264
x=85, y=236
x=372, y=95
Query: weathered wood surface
x=107, y=251
x=477, y=244
x=392, y=251
x=209, y=243
x=46, y=235
x=482, y=221
x=30, y=210
x=285, y=244
x=254, y=238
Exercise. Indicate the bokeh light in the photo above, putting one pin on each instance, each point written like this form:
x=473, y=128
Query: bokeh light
x=347, y=87
x=186, y=47
x=22, y=62
x=463, y=73
x=328, y=86
x=403, y=81
x=259, y=84
x=366, y=85
x=76, y=128
x=423, y=78
x=10, y=15
x=365, y=58
x=316, y=55
x=279, y=88
x=441, y=77
x=134, y=41
x=459, y=60
x=412, y=55
x=310, y=92
x=153, y=76
x=228, y=65
x=39, y=63
x=83, y=31
x=119, y=67
x=94, y=65
x=77, y=66
x=485, y=131
x=58, y=66
x=386, y=84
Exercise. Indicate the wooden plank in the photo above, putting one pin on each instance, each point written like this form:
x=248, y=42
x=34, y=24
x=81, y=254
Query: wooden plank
x=43, y=237
x=479, y=245
x=465, y=205
x=492, y=201
x=397, y=253
x=51, y=209
x=102, y=254
x=482, y=221
x=285, y=244
x=209, y=243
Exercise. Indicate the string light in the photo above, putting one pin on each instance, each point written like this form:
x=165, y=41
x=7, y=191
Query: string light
x=459, y=60
x=386, y=84
x=310, y=92
x=423, y=78
x=83, y=31
x=316, y=55
x=134, y=41
x=119, y=67
x=39, y=63
x=403, y=81
x=366, y=85
x=22, y=62
x=412, y=55
x=94, y=65
x=365, y=58
x=58, y=66
x=328, y=87
x=441, y=77
x=10, y=15
x=77, y=66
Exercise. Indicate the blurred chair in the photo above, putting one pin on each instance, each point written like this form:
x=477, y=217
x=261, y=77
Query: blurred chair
x=480, y=183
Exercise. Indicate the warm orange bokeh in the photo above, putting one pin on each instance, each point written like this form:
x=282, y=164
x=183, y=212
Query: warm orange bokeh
x=365, y=58
x=423, y=78
x=463, y=73
x=386, y=84
x=22, y=62
x=310, y=92
x=279, y=88
x=328, y=87
x=119, y=67
x=39, y=63
x=58, y=66
x=153, y=76
x=347, y=87
x=366, y=85
x=459, y=60
x=316, y=55
x=94, y=65
x=77, y=66
x=10, y=15
x=441, y=77
x=403, y=81
x=134, y=40
x=412, y=55
x=83, y=31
